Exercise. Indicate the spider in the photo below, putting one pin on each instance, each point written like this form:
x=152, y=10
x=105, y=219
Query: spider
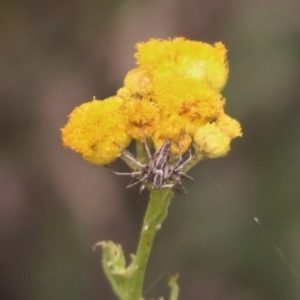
x=158, y=172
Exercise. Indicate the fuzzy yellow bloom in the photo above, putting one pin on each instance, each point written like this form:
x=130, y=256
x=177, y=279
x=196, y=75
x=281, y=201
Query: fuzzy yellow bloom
x=211, y=142
x=97, y=130
x=190, y=59
x=213, y=139
x=139, y=82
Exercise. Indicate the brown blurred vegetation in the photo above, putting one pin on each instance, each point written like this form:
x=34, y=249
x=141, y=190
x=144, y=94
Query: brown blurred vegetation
x=55, y=55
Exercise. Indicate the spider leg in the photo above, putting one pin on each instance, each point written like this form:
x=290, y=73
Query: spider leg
x=180, y=191
x=184, y=175
x=180, y=153
x=130, y=157
x=147, y=148
x=183, y=190
x=132, y=174
x=180, y=166
x=137, y=182
x=178, y=182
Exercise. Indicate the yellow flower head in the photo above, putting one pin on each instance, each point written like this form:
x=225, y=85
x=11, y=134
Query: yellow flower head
x=97, y=130
x=186, y=58
x=213, y=139
x=211, y=142
x=138, y=82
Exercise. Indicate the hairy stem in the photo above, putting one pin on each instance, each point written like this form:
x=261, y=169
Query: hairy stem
x=156, y=213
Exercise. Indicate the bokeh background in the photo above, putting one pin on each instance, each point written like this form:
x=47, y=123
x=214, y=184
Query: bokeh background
x=55, y=55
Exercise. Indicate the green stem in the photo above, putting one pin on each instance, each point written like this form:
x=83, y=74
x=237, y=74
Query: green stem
x=156, y=213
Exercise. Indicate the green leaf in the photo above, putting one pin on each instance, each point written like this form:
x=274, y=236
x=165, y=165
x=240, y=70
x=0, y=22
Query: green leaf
x=114, y=265
x=174, y=287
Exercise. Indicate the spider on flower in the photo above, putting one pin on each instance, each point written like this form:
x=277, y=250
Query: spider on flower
x=158, y=172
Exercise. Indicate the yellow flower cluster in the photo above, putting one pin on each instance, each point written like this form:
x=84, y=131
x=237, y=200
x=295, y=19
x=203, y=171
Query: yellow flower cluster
x=91, y=127
x=173, y=93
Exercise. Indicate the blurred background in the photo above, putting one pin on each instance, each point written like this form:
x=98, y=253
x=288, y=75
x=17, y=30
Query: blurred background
x=54, y=206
